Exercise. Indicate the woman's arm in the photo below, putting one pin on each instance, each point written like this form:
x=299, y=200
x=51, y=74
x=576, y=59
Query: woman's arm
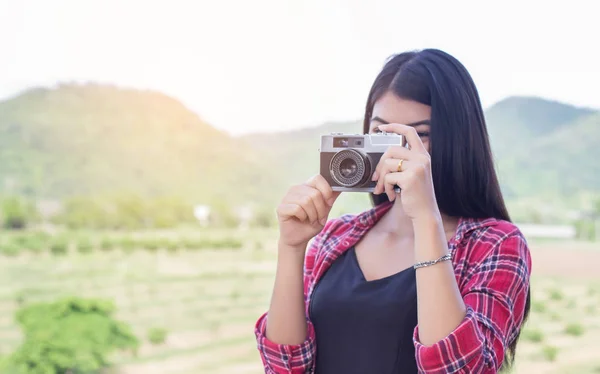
x=440, y=304
x=285, y=335
x=286, y=321
x=468, y=330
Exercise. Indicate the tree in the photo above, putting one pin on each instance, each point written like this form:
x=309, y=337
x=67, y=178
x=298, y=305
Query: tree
x=15, y=212
x=73, y=335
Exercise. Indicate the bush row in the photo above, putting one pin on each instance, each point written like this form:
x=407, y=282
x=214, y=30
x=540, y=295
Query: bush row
x=125, y=211
x=63, y=244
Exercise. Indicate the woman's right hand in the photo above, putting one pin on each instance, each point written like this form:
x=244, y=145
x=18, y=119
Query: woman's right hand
x=303, y=211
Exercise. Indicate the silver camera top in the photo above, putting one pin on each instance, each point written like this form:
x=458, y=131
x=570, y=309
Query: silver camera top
x=378, y=142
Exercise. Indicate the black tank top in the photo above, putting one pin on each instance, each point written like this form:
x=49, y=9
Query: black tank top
x=364, y=327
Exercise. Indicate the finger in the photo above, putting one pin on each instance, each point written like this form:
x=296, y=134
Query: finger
x=400, y=152
x=409, y=132
x=380, y=172
x=287, y=211
x=393, y=165
x=392, y=180
x=393, y=152
x=321, y=184
x=306, y=202
x=318, y=200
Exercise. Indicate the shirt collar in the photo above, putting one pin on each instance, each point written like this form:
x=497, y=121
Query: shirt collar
x=369, y=218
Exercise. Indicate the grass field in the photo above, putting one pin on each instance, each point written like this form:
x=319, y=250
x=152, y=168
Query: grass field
x=207, y=300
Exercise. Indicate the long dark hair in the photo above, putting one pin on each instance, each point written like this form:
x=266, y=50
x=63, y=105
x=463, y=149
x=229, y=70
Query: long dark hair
x=462, y=165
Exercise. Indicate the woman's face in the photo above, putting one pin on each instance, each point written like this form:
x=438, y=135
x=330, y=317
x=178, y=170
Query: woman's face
x=393, y=109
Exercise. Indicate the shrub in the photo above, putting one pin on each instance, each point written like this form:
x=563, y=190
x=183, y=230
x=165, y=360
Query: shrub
x=538, y=307
x=15, y=213
x=127, y=244
x=556, y=294
x=32, y=242
x=59, y=246
x=85, y=246
x=189, y=243
x=84, y=212
x=264, y=217
x=151, y=244
x=227, y=243
x=10, y=249
x=550, y=352
x=72, y=335
x=157, y=335
x=223, y=215
x=171, y=245
x=107, y=244
x=574, y=329
x=533, y=335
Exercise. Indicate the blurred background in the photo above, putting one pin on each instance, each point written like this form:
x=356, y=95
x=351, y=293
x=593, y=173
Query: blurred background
x=144, y=146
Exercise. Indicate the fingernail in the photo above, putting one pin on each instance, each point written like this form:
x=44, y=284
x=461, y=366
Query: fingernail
x=375, y=176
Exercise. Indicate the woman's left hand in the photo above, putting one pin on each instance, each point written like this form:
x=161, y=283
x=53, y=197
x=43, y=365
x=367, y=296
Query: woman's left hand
x=414, y=177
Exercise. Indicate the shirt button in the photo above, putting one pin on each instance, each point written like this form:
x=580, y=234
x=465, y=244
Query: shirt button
x=285, y=357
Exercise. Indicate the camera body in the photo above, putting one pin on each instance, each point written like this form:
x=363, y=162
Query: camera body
x=349, y=161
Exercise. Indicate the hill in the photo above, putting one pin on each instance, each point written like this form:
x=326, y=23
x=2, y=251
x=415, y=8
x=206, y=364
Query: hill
x=95, y=139
x=563, y=163
x=519, y=121
x=537, y=143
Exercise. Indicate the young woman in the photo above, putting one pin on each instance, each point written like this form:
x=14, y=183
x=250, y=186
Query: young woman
x=434, y=278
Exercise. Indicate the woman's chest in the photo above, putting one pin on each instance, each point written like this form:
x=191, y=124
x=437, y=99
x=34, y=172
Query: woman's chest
x=343, y=297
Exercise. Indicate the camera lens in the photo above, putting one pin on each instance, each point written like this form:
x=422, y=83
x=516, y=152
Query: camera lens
x=350, y=168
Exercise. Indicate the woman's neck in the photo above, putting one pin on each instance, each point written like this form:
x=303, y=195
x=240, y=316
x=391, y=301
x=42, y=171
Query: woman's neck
x=397, y=222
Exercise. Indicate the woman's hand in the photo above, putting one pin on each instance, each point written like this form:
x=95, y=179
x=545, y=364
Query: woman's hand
x=414, y=177
x=304, y=211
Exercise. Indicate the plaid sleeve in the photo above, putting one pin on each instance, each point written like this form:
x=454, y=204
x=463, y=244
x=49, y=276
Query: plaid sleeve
x=494, y=294
x=281, y=358
x=293, y=359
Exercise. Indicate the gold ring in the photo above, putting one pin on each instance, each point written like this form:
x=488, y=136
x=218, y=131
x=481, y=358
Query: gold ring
x=399, y=169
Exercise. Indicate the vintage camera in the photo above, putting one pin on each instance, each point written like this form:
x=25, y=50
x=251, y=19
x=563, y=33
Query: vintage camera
x=349, y=161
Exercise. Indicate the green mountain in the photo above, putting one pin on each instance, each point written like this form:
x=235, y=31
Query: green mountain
x=94, y=139
x=518, y=121
x=98, y=139
x=544, y=149
x=563, y=163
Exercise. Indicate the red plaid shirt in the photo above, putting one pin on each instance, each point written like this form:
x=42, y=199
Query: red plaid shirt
x=492, y=265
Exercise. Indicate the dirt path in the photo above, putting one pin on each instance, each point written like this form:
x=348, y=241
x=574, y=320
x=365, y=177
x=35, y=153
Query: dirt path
x=564, y=260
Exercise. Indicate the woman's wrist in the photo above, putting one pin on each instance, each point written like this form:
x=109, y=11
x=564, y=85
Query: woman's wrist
x=430, y=238
x=428, y=222
x=291, y=250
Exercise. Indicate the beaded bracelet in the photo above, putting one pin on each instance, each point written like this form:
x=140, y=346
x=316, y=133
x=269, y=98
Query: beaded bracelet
x=445, y=257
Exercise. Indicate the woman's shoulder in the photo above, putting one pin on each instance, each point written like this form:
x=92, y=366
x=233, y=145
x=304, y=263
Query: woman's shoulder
x=336, y=228
x=492, y=239
x=490, y=229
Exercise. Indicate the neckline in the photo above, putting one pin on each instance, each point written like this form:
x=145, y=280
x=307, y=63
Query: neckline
x=378, y=280
x=371, y=216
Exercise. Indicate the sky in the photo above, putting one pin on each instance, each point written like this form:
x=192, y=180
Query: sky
x=274, y=65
